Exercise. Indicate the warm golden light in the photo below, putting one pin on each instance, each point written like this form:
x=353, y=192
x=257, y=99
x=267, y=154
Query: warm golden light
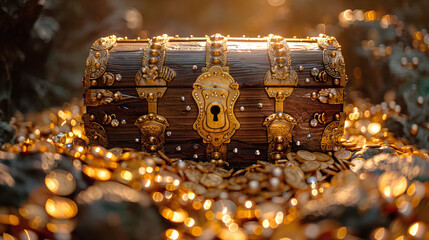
x=248, y=204
x=189, y=222
x=392, y=184
x=417, y=230
x=342, y=232
x=126, y=175
x=60, y=182
x=172, y=234
x=374, y=128
x=61, y=208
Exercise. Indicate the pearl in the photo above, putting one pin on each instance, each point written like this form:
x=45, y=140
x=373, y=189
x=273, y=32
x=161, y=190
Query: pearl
x=277, y=172
x=275, y=182
x=241, y=108
x=311, y=180
x=178, y=148
x=168, y=133
x=257, y=153
x=188, y=108
x=115, y=122
x=137, y=140
x=254, y=184
x=235, y=150
x=181, y=164
x=298, y=143
x=260, y=105
x=182, y=98
x=309, y=135
x=313, y=122
x=123, y=121
x=195, y=156
x=307, y=80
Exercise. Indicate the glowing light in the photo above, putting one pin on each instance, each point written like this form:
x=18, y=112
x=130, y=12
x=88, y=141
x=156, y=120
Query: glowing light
x=266, y=223
x=189, y=222
x=126, y=175
x=248, y=204
x=417, y=229
x=392, y=184
x=342, y=232
x=60, y=182
x=233, y=227
x=276, y=3
x=370, y=15
x=207, y=204
x=348, y=15
x=379, y=233
x=191, y=195
x=196, y=231
x=374, y=128
x=279, y=217
x=157, y=197
x=61, y=208
x=294, y=201
x=149, y=169
x=172, y=234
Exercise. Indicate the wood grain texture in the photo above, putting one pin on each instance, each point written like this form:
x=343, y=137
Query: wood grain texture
x=250, y=137
x=248, y=62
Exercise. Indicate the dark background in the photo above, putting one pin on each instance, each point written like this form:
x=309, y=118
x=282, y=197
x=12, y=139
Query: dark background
x=44, y=43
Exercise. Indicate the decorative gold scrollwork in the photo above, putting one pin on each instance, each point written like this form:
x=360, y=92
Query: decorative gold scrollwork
x=152, y=127
x=96, y=97
x=333, y=59
x=279, y=127
x=279, y=82
x=331, y=137
x=215, y=92
x=96, y=63
x=94, y=132
x=327, y=95
x=151, y=84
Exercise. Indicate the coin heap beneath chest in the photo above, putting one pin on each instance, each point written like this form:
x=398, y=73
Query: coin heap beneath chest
x=230, y=101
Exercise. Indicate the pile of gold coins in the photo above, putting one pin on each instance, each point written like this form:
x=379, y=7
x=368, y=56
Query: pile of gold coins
x=374, y=187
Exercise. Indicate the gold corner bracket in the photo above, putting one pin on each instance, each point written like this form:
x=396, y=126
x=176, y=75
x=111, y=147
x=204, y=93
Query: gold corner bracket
x=151, y=83
x=279, y=82
x=331, y=136
x=215, y=92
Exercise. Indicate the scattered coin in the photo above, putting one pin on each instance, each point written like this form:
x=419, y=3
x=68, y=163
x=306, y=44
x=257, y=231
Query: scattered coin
x=211, y=180
x=310, y=166
x=193, y=174
x=304, y=156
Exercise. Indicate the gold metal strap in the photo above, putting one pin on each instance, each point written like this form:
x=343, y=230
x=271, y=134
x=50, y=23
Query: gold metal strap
x=215, y=92
x=279, y=82
x=151, y=83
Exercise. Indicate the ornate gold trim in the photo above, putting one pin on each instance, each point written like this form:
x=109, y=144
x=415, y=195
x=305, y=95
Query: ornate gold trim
x=331, y=137
x=96, y=134
x=152, y=127
x=151, y=83
x=279, y=82
x=327, y=95
x=96, y=97
x=96, y=63
x=215, y=92
x=279, y=128
x=333, y=60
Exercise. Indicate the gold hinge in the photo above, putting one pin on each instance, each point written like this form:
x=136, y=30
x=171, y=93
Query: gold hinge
x=279, y=83
x=151, y=83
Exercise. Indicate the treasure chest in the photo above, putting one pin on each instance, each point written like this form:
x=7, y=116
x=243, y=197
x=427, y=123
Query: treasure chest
x=227, y=100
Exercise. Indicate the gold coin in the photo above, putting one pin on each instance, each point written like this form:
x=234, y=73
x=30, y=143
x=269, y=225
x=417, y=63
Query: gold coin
x=117, y=151
x=343, y=154
x=310, y=166
x=211, y=180
x=321, y=157
x=196, y=187
x=212, y=193
x=241, y=179
x=294, y=177
x=323, y=165
x=256, y=176
x=234, y=187
x=304, y=156
x=291, y=156
x=205, y=166
x=222, y=172
x=193, y=174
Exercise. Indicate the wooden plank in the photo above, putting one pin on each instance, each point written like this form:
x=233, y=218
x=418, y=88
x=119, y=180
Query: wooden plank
x=250, y=137
x=248, y=62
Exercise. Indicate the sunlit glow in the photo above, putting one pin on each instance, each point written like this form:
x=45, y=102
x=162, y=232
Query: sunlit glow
x=266, y=223
x=342, y=232
x=374, y=128
x=157, y=197
x=126, y=175
x=61, y=208
x=380, y=233
x=248, y=204
x=293, y=201
x=172, y=234
x=417, y=229
x=207, y=204
x=189, y=222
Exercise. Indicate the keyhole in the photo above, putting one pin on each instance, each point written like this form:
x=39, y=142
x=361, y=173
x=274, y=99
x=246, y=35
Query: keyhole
x=215, y=110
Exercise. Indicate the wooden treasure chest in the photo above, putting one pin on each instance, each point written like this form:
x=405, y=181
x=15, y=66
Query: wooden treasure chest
x=228, y=100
